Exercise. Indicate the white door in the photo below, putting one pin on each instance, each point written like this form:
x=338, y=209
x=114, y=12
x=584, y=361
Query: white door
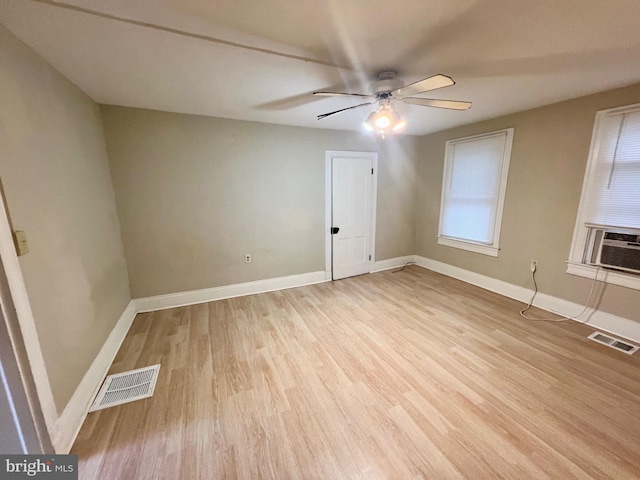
x=352, y=194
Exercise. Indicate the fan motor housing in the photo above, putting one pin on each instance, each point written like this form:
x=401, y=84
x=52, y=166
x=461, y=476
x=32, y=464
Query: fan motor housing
x=386, y=82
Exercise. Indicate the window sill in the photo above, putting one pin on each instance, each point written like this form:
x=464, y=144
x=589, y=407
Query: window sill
x=472, y=247
x=608, y=276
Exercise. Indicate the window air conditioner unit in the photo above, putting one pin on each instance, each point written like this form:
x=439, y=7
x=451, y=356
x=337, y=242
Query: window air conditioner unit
x=619, y=250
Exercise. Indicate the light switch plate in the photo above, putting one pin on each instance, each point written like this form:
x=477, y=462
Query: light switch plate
x=20, y=239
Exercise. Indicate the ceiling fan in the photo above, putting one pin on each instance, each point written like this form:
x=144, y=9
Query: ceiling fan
x=388, y=88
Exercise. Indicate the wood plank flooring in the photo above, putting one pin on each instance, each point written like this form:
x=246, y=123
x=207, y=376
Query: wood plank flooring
x=408, y=375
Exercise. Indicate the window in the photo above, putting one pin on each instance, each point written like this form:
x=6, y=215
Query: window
x=609, y=212
x=475, y=180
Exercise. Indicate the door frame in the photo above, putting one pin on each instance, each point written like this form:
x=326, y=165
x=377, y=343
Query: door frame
x=328, y=162
x=23, y=334
x=29, y=429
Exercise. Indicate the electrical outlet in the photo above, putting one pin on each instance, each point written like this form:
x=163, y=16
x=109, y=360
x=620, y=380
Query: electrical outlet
x=247, y=258
x=534, y=265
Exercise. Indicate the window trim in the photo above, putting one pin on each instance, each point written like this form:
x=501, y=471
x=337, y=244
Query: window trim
x=575, y=265
x=470, y=245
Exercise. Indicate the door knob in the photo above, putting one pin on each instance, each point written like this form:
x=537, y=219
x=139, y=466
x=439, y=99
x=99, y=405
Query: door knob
x=334, y=230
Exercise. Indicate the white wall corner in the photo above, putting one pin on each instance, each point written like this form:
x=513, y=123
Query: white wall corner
x=616, y=325
x=172, y=300
x=397, y=262
x=66, y=428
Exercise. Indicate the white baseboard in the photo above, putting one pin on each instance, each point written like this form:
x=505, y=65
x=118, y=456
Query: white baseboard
x=397, y=262
x=67, y=426
x=620, y=326
x=488, y=283
x=172, y=300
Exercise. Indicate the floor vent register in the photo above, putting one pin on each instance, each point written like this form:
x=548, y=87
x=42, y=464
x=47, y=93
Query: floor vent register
x=126, y=387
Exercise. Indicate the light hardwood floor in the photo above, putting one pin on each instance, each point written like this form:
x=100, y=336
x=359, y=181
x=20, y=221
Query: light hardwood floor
x=409, y=375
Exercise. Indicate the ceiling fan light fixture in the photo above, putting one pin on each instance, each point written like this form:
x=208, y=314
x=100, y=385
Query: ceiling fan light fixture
x=388, y=88
x=384, y=120
x=369, y=123
x=399, y=125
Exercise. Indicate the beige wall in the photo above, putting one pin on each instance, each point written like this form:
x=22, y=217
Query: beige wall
x=55, y=172
x=195, y=194
x=548, y=161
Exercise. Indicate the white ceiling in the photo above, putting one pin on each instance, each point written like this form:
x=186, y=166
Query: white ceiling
x=261, y=59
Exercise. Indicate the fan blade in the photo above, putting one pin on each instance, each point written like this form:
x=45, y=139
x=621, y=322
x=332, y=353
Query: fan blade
x=325, y=115
x=432, y=102
x=342, y=94
x=431, y=83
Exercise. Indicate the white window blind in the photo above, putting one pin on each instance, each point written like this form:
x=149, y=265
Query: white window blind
x=610, y=199
x=473, y=187
x=613, y=190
